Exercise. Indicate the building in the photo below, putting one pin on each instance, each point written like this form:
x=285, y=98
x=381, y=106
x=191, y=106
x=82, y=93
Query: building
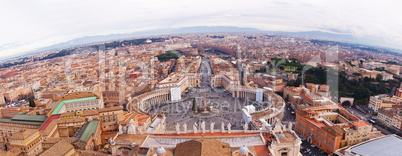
x=395, y=69
x=2, y=100
x=386, y=145
x=202, y=147
x=373, y=65
x=20, y=122
x=17, y=93
x=331, y=127
x=387, y=76
x=225, y=81
x=61, y=148
x=28, y=141
x=89, y=136
x=385, y=116
x=306, y=96
x=77, y=101
x=9, y=112
x=68, y=127
x=276, y=141
x=47, y=143
x=398, y=91
x=390, y=117
x=383, y=101
x=109, y=117
x=183, y=81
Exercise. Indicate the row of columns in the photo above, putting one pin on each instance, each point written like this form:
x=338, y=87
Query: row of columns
x=158, y=99
x=245, y=94
x=270, y=120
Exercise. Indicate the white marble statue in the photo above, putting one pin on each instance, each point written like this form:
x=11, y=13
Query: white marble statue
x=163, y=127
x=120, y=129
x=177, y=128
x=264, y=125
x=194, y=128
x=222, y=127
x=277, y=128
x=184, y=128
x=125, y=129
x=245, y=127
x=203, y=126
x=131, y=127
x=290, y=126
x=211, y=127
x=229, y=127
x=139, y=131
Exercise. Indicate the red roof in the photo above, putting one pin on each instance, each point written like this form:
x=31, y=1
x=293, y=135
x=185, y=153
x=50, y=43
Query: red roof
x=47, y=122
x=396, y=106
x=324, y=107
x=307, y=98
x=361, y=124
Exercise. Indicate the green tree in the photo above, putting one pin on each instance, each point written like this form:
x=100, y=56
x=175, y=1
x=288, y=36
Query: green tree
x=31, y=101
x=357, y=74
x=379, y=77
x=195, y=109
x=294, y=60
x=343, y=73
x=361, y=93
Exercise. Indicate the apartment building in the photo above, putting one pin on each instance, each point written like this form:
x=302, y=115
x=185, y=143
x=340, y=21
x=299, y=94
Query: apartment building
x=383, y=101
x=89, y=136
x=68, y=127
x=78, y=101
x=331, y=127
x=310, y=95
x=17, y=93
x=390, y=117
x=2, y=100
x=110, y=117
x=28, y=141
x=20, y=122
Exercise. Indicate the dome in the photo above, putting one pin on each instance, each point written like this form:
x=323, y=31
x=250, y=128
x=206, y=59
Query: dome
x=160, y=150
x=243, y=150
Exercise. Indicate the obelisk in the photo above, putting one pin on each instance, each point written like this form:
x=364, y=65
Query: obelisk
x=205, y=99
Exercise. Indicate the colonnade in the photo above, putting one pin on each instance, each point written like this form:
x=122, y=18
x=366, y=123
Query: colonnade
x=158, y=99
x=246, y=94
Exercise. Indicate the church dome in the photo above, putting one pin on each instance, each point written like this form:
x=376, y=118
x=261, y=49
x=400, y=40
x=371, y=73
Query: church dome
x=243, y=150
x=160, y=150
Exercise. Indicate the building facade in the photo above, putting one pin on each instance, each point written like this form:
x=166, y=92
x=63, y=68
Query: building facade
x=331, y=127
x=28, y=141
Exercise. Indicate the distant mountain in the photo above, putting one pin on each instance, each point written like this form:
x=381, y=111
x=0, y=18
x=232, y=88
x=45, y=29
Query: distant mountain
x=186, y=30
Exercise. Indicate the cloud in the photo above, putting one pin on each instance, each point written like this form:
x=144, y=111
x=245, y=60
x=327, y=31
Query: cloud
x=32, y=24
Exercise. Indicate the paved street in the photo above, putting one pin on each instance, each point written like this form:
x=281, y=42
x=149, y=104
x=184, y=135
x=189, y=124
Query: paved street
x=366, y=117
x=305, y=147
x=216, y=97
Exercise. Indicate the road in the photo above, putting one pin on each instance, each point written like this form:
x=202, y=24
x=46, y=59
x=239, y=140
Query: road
x=315, y=150
x=366, y=116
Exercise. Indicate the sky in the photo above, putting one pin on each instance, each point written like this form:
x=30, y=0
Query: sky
x=27, y=25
